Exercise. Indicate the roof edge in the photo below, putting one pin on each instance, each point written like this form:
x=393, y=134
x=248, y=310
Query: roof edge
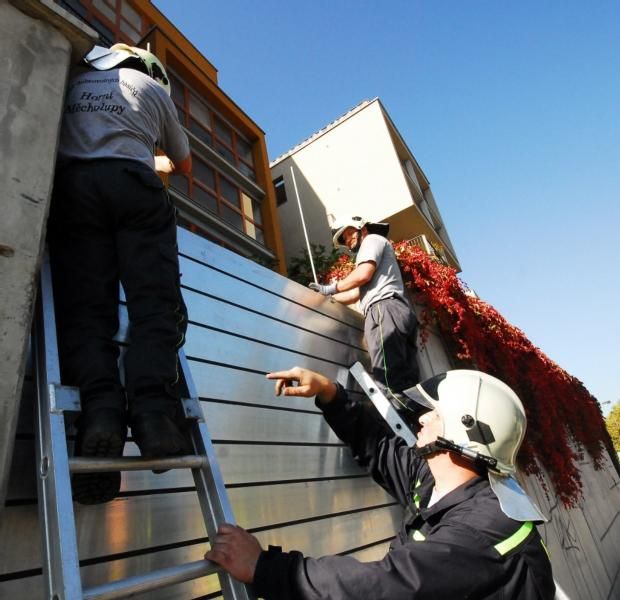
x=323, y=131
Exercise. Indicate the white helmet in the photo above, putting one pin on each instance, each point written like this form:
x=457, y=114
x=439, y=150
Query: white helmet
x=484, y=420
x=104, y=59
x=342, y=223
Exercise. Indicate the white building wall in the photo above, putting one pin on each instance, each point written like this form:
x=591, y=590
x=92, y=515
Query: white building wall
x=352, y=168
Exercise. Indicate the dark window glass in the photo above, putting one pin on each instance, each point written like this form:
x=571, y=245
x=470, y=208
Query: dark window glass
x=202, y=172
x=75, y=6
x=105, y=8
x=200, y=132
x=180, y=183
x=229, y=192
x=225, y=152
x=231, y=216
x=259, y=236
x=280, y=190
x=223, y=132
x=199, y=110
x=178, y=93
x=129, y=31
x=102, y=30
x=256, y=212
x=204, y=198
x=131, y=15
x=244, y=149
x=247, y=171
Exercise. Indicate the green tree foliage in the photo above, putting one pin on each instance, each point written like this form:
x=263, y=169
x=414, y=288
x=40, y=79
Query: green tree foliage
x=613, y=425
x=300, y=269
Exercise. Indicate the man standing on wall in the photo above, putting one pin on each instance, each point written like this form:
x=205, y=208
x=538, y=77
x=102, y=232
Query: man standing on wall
x=112, y=220
x=390, y=325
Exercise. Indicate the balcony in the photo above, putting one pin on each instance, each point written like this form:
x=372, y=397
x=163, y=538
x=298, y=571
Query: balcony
x=434, y=250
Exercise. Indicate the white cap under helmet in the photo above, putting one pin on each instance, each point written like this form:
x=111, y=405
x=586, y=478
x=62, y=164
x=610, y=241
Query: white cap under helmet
x=483, y=416
x=104, y=59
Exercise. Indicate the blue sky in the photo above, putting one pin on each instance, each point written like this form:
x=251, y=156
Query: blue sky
x=511, y=109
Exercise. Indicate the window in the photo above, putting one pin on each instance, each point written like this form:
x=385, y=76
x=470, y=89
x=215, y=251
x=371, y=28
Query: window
x=206, y=186
x=114, y=20
x=211, y=129
x=209, y=189
x=280, y=190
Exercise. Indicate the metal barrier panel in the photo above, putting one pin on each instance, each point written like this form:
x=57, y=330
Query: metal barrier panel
x=288, y=476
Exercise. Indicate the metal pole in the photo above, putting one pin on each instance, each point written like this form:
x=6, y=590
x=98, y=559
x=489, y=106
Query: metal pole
x=303, y=224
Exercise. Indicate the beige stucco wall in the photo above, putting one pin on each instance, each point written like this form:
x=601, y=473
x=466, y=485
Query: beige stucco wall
x=351, y=169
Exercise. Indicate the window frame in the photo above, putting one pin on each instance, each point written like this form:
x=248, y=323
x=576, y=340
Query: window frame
x=215, y=119
x=92, y=13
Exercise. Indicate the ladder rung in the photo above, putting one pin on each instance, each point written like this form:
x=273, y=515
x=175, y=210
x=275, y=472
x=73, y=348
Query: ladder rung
x=81, y=464
x=151, y=581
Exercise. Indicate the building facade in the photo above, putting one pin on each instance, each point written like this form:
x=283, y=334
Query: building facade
x=228, y=198
x=357, y=165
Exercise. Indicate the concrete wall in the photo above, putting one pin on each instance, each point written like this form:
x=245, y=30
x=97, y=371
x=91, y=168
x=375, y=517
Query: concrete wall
x=351, y=169
x=35, y=52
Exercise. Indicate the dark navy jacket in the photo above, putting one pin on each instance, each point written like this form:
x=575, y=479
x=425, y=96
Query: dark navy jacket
x=463, y=546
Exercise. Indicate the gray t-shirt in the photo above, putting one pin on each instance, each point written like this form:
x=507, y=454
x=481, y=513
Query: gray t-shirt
x=120, y=113
x=387, y=280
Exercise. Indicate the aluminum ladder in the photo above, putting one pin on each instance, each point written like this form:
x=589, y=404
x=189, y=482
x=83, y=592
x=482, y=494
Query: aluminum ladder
x=61, y=568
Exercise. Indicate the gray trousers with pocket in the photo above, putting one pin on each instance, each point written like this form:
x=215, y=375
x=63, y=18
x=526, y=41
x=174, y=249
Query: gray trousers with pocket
x=390, y=328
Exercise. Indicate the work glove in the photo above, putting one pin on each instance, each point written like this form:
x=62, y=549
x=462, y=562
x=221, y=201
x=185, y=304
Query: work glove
x=328, y=289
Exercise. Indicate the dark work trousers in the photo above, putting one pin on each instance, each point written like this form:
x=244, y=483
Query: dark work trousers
x=111, y=221
x=390, y=328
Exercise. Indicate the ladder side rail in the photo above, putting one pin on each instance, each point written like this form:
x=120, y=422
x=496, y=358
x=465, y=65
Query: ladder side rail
x=61, y=570
x=214, y=501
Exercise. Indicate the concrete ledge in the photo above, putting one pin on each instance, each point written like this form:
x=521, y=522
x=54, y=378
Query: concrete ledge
x=81, y=36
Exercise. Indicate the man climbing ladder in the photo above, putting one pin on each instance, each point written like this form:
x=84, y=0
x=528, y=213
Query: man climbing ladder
x=112, y=220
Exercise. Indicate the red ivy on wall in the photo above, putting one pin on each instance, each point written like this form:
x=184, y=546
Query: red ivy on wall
x=559, y=408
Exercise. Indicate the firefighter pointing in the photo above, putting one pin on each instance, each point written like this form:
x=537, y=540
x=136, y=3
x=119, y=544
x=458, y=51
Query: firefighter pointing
x=469, y=529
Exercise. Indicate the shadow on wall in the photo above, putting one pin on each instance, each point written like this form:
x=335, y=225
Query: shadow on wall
x=314, y=212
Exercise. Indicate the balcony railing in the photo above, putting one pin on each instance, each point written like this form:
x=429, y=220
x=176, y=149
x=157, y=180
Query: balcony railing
x=421, y=241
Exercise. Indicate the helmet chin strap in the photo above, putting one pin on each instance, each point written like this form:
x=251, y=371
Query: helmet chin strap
x=442, y=445
x=429, y=449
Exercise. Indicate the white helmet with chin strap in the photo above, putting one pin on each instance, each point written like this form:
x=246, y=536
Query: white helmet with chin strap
x=341, y=224
x=104, y=59
x=483, y=420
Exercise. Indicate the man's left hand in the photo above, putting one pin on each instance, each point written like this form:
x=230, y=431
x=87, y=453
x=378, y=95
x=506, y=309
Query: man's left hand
x=236, y=551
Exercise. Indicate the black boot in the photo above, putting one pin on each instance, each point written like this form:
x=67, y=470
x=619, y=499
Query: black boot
x=157, y=435
x=101, y=434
